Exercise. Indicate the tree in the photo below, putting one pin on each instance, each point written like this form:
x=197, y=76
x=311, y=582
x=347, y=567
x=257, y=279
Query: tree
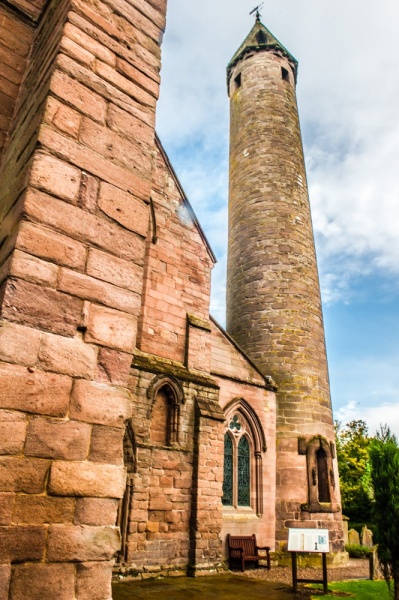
x=384, y=460
x=353, y=443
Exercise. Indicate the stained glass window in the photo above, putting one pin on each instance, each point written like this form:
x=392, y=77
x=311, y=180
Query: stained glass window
x=227, y=499
x=243, y=473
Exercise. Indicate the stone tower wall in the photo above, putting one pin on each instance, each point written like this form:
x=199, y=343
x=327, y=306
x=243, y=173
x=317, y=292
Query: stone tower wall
x=76, y=179
x=273, y=298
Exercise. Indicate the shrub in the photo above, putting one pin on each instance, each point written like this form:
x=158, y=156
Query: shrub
x=357, y=551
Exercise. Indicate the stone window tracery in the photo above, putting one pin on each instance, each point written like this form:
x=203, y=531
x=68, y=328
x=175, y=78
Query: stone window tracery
x=244, y=443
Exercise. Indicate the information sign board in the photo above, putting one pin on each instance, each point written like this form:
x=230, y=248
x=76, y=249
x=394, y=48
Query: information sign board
x=308, y=540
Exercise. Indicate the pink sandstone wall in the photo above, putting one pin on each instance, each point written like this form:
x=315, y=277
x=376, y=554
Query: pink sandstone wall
x=76, y=181
x=237, y=378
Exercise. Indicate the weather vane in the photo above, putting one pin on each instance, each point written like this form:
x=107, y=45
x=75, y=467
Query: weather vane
x=256, y=9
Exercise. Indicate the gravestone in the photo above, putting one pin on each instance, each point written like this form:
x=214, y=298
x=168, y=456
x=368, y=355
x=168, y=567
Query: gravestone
x=353, y=537
x=366, y=537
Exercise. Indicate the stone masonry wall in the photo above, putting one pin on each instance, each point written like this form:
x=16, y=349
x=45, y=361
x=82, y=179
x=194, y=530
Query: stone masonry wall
x=76, y=181
x=177, y=271
x=175, y=516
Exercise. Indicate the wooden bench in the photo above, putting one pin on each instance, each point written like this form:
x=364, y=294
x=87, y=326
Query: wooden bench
x=243, y=548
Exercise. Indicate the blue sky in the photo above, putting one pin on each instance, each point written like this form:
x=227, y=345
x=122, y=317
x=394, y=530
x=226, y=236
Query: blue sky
x=348, y=91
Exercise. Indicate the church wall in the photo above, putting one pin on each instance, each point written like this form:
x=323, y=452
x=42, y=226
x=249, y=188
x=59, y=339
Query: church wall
x=75, y=220
x=177, y=275
x=175, y=515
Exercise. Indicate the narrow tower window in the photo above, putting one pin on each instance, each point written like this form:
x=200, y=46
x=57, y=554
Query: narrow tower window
x=237, y=82
x=284, y=74
x=322, y=476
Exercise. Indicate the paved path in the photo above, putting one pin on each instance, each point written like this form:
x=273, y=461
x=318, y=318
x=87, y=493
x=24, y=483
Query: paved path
x=221, y=587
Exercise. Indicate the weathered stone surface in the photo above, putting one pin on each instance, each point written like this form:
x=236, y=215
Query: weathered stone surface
x=38, y=510
x=106, y=445
x=96, y=511
x=113, y=366
x=46, y=243
x=40, y=307
x=57, y=439
x=90, y=288
x=81, y=543
x=86, y=479
x=33, y=269
x=22, y=543
x=111, y=328
x=93, y=580
x=100, y=404
x=52, y=581
x=6, y=508
x=71, y=356
x=26, y=475
x=124, y=208
x=5, y=576
x=55, y=177
x=34, y=392
x=12, y=431
x=366, y=537
x=115, y=270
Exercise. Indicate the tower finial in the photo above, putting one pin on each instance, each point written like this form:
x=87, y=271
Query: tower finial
x=256, y=9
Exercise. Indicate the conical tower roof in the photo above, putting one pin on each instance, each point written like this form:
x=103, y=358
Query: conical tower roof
x=260, y=39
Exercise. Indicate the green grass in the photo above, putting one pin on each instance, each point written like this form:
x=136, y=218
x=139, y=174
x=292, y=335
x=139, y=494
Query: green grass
x=357, y=590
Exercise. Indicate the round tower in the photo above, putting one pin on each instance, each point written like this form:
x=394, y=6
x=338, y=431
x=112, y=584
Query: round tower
x=273, y=298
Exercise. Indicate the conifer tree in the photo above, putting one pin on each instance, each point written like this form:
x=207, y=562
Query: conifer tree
x=384, y=459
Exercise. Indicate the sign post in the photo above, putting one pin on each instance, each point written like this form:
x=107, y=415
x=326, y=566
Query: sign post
x=308, y=540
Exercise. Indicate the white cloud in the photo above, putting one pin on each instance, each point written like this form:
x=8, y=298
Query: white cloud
x=347, y=93
x=375, y=415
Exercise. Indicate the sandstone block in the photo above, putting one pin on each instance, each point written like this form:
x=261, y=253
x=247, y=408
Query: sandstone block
x=77, y=52
x=52, y=581
x=26, y=475
x=41, y=307
x=83, y=99
x=87, y=159
x=55, y=176
x=84, y=226
x=5, y=576
x=6, y=508
x=130, y=126
x=62, y=117
x=87, y=479
x=107, y=445
x=25, y=543
x=37, y=392
x=114, y=270
x=125, y=85
x=89, y=43
x=112, y=328
x=93, y=580
x=96, y=511
x=90, y=288
x=100, y=404
x=88, y=193
x=124, y=208
x=46, y=243
x=12, y=431
x=82, y=543
x=33, y=269
x=115, y=147
x=113, y=367
x=54, y=438
x=70, y=356
x=37, y=510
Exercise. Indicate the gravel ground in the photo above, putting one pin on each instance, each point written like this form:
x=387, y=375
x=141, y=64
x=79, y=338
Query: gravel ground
x=355, y=569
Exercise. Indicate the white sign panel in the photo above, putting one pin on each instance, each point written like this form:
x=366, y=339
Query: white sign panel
x=308, y=540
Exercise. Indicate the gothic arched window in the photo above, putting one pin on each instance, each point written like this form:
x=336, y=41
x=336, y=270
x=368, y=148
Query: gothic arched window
x=166, y=395
x=244, y=442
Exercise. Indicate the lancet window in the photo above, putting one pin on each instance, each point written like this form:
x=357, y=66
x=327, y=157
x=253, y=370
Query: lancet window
x=166, y=397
